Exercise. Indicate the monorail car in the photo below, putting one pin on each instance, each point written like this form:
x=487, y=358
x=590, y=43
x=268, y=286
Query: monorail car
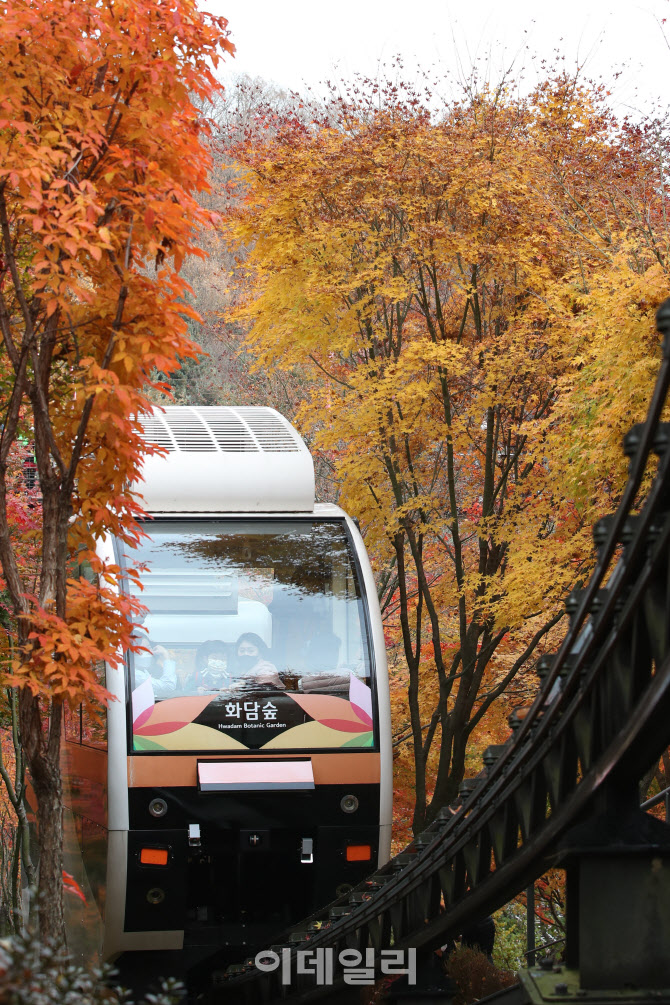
x=244, y=775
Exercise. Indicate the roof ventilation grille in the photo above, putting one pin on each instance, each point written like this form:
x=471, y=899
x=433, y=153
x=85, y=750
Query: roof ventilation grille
x=230, y=433
x=270, y=432
x=190, y=432
x=155, y=431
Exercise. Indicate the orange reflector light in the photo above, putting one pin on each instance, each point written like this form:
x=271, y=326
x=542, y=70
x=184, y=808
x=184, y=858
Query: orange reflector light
x=359, y=853
x=154, y=856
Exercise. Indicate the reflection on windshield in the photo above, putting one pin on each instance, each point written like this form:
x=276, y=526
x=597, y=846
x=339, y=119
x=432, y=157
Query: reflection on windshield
x=240, y=608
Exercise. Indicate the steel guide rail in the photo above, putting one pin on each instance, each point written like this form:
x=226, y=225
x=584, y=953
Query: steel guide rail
x=600, y=715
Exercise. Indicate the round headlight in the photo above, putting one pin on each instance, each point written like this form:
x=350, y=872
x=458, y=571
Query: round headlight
x=349, y=803
x=158, y=807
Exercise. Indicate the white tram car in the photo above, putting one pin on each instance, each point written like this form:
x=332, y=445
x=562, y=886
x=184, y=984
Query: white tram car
x=244, y=775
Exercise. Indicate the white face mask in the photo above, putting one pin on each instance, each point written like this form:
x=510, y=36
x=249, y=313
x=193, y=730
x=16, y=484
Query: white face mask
x=217, y=666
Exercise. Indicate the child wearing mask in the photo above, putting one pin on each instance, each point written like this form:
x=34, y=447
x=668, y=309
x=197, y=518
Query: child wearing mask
x=212, y=672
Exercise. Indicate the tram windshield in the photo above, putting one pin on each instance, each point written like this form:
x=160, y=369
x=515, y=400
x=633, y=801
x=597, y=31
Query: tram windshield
x=255, y=636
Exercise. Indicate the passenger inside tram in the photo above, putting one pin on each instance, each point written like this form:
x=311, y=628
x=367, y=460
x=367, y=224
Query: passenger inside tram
x=252, y=667
x=322, y=658
x=157, y=666
x=212, y=670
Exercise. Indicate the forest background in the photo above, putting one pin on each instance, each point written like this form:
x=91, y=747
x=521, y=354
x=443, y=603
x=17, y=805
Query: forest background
x=455, y=307
x=454, y=304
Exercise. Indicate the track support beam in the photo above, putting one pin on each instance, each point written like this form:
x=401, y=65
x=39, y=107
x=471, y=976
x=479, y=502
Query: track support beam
x=618, y=898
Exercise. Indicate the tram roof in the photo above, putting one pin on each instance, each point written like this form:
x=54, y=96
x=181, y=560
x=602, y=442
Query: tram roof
x=225, y=459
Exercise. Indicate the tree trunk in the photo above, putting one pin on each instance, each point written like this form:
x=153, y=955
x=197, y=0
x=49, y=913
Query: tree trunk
x=41, y=740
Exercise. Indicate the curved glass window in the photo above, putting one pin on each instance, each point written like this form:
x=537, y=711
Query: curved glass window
x=254, y=637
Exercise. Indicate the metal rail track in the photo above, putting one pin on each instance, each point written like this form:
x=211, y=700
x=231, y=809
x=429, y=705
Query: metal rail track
x=598, y=722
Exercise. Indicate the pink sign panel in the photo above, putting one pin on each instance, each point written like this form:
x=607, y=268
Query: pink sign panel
x=228, y=776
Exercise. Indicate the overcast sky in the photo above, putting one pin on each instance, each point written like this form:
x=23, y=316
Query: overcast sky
x=302, y=42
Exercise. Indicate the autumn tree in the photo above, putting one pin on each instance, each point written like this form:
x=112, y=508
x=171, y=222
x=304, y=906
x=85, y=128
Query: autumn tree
x=420, y=269
x=248, y=110
x=100, y=161
x=611, y=201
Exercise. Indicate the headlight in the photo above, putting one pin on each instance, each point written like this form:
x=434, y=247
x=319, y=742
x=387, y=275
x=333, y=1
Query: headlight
x=158, y=807
x=349, y=803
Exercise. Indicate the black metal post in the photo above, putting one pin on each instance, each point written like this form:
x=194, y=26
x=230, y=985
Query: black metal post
x=530, y=925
